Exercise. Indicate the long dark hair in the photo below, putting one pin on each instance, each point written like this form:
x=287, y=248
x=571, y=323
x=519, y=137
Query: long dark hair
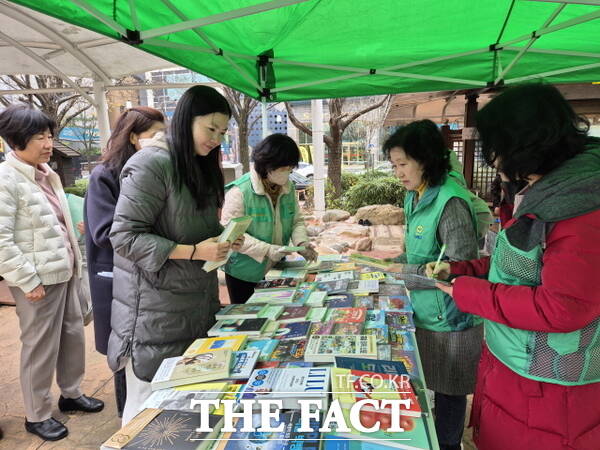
x=119, y=148
x=201, y=174
x=423, y=142
x=19, y=123
x=530, y=129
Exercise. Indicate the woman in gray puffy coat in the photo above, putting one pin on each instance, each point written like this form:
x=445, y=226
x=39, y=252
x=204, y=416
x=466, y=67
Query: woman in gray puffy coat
x=164, y=228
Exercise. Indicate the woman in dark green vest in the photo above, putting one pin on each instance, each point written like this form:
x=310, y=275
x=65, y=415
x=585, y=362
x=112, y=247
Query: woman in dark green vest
x=267, y=194
x=438, y=212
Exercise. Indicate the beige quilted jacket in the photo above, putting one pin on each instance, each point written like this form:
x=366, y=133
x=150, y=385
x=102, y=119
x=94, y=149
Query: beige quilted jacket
x=32, y=247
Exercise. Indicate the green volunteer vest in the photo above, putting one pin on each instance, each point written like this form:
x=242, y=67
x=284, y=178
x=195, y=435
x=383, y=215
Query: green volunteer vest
x=561, y=358
x=261, y=209
x=434, y=310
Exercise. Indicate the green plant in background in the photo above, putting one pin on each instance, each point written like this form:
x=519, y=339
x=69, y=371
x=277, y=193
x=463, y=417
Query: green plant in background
x=79, y=188
x=370, y=188
x=377, y=190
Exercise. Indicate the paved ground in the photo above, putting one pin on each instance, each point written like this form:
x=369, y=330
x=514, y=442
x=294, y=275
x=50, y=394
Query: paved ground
x=86, y=431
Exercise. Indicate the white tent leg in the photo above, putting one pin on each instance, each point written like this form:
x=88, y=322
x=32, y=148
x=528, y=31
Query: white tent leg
x=101, y=113
x=316, y=107
x=265, y=119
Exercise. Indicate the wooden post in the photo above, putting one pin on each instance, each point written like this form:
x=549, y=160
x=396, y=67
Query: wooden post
x=469, y=137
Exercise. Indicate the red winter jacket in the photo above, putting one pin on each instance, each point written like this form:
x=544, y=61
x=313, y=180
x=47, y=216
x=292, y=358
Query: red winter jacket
x=536, y=414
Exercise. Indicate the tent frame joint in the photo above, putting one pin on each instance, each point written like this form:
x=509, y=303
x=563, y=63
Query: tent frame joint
x=372, y=71
x=132, y=37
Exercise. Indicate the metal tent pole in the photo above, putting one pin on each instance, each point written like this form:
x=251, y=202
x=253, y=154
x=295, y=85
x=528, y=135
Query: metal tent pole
x=316, y=107
x=101, y=112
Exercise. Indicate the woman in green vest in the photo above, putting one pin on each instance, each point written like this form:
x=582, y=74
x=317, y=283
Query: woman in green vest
x=438, y=213
x=538, y=382
x=268, y=196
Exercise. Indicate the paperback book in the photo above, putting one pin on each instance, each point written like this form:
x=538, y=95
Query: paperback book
x=289, y=385
x=264, y=346
x=234, y=229
x=316, y=314
x=321, y=328
x=295, y=330
x=347, y=315
x=348, y=328
x=294, y=314
x=324, y=348
x=273, y=297
x=333, y=287
x=316, y=298
x=216, y=343
x=340, y=301
x=370, y=261
x=236, y=312
x=199, y=368
x=335, y=276
x=242, y=364
x=289, y=350
x=249, y=327
x=277, y=283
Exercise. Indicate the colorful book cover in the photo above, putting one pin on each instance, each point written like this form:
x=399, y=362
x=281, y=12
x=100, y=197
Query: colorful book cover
x=316, y=298
x=236, y=312
x=278, y=283
x=343, y=267
x=233, y=230
x=321, y=328
x=242, y=326
x=372, y=276
x=351, y=386
x=269, y=331
x=232, y=392
x=363, y=286
x=364, y=301
x=335, y=276
x=408, y=358
x=348, y=328
x=294, y=314
x=392, y=289
x=394, y=303
x=400, y=320
x=316, y=314
x=295, y=273
x=303, y=293
x=334, y=257
x=271, y=312
x=295, y=330
x=370, y=261
x=324, y=348
x=333, y=287
x=384, y=351
x=177, y=430
x=371, y=365
x=273, y=297
x=242, y=364
x=265, y=346
x=290, y=350
x=402, y=340
x=375, y=317
x=347, y=315
x=340, y=301
x=216, y=343
x=199, y=368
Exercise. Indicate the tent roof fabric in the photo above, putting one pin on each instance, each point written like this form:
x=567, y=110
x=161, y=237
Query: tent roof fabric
x=75, y=51
x=301, y=49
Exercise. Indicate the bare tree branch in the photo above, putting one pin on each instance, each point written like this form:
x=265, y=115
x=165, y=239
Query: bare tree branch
x=365, y=110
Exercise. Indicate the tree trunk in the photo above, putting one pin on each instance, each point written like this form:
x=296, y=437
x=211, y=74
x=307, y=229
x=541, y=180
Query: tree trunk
x=243, y=145
x=334, y=161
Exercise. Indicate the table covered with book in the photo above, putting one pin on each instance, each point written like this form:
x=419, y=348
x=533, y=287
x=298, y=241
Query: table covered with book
x=336, y=330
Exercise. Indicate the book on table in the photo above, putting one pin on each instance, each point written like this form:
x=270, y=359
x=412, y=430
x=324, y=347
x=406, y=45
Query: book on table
x=250, y=327
x=277, y=283
x=234, y=229
x=243, y=311
x=324, y=348
x=288, y=385
x=370, y=261
x=180, y=397
x=204, y=345
x=273, y=297
x=294, y=330
x=242, y=364
x=158, y=429
x=289, y=350
x=265, y=346
x=294, y=314
x=199, y=368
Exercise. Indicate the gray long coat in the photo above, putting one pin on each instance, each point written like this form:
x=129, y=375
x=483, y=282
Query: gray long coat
x=160, y=305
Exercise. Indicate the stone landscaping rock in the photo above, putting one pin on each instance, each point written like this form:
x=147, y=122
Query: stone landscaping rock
x=335, y=215
x=363, y=245
x=314, y=230
x=381, y=214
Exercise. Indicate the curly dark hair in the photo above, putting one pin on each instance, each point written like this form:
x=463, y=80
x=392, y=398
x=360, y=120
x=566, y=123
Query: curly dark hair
x=19, y=123
x=423, y=142
x=273, y=152
x=530, y=129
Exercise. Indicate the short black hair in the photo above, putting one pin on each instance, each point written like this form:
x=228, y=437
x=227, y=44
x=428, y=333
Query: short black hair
x=423, y=142
x=530, y=129
x=19, y=123
x=273, y=152
x=201, y=174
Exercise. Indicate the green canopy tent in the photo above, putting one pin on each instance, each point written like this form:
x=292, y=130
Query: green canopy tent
x=299, y=49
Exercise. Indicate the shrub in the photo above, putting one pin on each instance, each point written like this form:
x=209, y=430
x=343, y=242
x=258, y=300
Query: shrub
x=377, y=190
x=79, y=188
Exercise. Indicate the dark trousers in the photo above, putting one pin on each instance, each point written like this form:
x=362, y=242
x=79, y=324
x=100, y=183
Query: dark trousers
x=450, y=419
x=239, y=290
x=120, y=391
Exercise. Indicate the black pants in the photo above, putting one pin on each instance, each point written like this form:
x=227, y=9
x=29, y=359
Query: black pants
x=120, y=391
x=239, y=290
x=450, y=419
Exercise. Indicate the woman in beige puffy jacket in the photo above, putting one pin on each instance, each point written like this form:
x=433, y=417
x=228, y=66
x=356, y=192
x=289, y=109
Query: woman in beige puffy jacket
x=39, y=259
